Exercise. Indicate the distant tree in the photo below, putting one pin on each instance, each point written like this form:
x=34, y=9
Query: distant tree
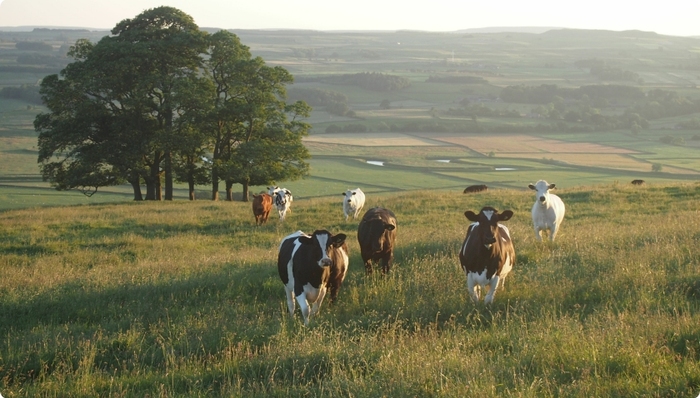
x=33, y=46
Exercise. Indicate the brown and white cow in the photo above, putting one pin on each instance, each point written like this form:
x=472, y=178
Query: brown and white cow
x=309, y=265
x=262, y=205
x=487, y=254
x=377, y=235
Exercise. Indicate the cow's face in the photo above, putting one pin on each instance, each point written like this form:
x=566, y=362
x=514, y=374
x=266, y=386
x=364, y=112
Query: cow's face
x=488, y=219
x=281, y=198
x=319, y=244
x=377, y=236
x=348, y=195
x=542, y=188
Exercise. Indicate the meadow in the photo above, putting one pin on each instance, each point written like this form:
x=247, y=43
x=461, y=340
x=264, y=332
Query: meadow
x=183, y=299
x=104, y=296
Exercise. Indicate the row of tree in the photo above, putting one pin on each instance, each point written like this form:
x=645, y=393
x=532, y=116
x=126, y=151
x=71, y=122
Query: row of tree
x=160, y=101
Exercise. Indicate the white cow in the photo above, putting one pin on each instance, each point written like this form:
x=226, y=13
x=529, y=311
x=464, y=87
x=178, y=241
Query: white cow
x=283, y=200
x=353, y=202
x=548, y=210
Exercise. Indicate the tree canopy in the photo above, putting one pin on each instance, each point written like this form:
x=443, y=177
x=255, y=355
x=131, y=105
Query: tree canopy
x=160, y=100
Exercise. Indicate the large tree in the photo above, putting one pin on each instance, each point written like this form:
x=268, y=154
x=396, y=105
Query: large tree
x=160, y=99
x=253, y=141
x=130, y=81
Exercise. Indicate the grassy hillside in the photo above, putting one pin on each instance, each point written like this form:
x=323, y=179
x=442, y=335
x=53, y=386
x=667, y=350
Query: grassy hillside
x=183, y=299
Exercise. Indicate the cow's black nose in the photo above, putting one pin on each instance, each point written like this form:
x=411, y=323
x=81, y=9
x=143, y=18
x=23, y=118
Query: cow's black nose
x=541, y=198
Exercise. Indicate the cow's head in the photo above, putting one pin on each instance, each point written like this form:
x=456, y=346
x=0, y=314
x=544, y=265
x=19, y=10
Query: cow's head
x=320, y=242
x=348, y=195
x=542, y=188
x=377, y=227
x=272, y=190
x=281, y=197
x=488, y=219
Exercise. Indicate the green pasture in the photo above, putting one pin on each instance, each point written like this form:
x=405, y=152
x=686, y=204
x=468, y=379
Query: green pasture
x=183, y=299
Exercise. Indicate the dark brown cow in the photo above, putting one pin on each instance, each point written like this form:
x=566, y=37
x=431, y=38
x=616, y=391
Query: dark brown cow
x=475, y=188
x=377, y=235
x=262, y=205
x=637, y=182
x=487, y=254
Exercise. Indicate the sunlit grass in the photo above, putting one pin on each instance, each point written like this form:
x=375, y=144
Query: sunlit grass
x=183, y=299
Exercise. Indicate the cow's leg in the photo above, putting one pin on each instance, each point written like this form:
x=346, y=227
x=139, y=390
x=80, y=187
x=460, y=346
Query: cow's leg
x=553, y=232
x=493, y=285
x=368, y=266
x=386, y=263
x=304, y=306
x=319, y=300
x=290, y=300
x=472, y=287
x=537, y=234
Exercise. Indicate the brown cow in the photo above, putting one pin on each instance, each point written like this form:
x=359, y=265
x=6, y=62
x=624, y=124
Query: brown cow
x=637, y=182
x=377, y=235
x=475, y=188
x=487, y=254
x=262, y=204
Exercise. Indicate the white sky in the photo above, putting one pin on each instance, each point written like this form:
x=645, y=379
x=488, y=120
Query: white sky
x=670, y=17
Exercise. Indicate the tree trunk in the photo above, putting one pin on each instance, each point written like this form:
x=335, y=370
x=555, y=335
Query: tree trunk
x=153, y=187
x=246, y=192
x=168, y=175
x=136, y=186
x=229, y=191
x=214, y=185
x=191, y=185
x=159, y=187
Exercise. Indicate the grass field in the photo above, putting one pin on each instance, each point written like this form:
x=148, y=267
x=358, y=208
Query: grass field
x=183, y=299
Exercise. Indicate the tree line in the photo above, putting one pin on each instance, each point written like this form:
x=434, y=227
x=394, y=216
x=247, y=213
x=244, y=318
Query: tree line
x=160, y=101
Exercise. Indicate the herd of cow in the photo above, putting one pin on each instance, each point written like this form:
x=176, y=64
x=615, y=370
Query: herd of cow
x=310, y=265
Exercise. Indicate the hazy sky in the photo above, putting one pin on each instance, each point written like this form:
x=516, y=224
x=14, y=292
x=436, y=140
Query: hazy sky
x=670, y=17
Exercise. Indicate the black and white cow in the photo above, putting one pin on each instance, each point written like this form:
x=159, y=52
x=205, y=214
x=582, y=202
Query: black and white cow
x=487, y=254
x=282, y=200
x=309, y=265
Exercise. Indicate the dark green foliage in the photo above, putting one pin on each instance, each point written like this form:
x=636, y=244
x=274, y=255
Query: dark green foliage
x=33, y=46
x=24, y=92
x=456, y=79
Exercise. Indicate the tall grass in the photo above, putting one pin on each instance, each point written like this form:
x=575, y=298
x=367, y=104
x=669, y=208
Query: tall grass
x=183, y=299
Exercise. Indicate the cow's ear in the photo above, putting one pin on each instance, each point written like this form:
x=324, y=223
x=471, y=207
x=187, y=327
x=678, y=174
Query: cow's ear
x=505, y=216
x=551, y=186
x=306, y=240
x=471, y=216
x=532, y=187
x=339, y=239
x=389, y=227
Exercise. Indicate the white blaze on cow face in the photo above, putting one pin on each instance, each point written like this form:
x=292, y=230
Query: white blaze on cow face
x=325, y=261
